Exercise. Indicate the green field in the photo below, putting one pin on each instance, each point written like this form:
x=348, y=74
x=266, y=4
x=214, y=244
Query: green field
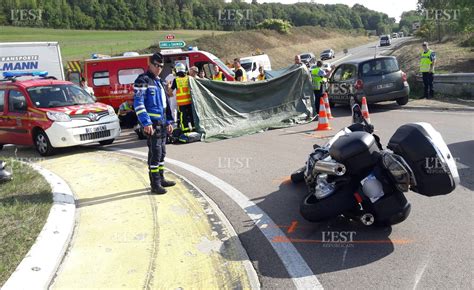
x=80, y=44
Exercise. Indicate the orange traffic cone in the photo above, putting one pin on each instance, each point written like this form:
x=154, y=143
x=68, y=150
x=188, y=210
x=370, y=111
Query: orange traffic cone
x=323, y=123
x=326, y=105
x=365, y=110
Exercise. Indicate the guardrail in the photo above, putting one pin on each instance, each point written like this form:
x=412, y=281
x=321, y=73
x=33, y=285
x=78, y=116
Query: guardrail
x=452, y=78
x=455, y=84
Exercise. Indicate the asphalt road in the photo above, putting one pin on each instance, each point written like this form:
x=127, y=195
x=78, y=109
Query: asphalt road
x=432, y=249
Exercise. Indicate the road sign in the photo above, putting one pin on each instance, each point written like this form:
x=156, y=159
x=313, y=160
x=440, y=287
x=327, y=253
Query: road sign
x=172, y=44
x=170, y=36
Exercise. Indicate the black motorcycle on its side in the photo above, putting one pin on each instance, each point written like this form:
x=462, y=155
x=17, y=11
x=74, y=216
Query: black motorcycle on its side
x=352, y=175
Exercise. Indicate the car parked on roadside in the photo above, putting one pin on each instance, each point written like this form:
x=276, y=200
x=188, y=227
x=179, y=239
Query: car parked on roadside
x=50, y=113
x=327, y=54
x=308, y=58
x=378, y=79
x=385, y=40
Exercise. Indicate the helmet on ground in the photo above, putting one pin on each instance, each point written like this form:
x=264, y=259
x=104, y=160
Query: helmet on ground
x=179, y=67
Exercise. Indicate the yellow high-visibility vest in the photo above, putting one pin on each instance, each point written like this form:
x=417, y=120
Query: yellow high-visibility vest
x=316, y=78
x=183, y=95
x=217, y=77
x=425, y=61
x=244, y=75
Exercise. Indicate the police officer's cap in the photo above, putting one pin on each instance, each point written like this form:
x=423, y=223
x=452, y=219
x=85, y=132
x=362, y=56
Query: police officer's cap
x=157, y=58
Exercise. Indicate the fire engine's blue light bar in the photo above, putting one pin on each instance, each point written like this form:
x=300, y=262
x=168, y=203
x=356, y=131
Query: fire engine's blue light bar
x=12, y=74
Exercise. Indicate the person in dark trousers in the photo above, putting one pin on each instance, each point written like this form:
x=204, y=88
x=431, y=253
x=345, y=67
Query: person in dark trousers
x=427, y=63
x=126, y=114
x=317, y=75
x=154, y=114
x=183, y=98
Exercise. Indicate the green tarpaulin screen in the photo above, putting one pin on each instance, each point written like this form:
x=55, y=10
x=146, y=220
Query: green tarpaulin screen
x=230, y=109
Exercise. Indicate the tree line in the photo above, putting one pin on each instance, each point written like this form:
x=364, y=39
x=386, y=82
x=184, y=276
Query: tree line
x=184, y=14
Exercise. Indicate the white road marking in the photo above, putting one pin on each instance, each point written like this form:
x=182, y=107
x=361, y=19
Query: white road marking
x=300, y=273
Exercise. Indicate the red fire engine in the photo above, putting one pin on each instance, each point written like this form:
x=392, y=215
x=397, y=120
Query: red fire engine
x=112, y=78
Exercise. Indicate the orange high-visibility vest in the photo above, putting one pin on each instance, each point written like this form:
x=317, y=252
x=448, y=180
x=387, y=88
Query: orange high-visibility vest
x=183, y=95
x=217, y=77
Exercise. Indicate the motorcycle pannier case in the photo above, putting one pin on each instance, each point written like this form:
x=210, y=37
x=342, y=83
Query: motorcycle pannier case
x=427, y=154
x=358, y=151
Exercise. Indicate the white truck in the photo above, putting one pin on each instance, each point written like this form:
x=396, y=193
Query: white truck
x=252, y=63
x=31, y=56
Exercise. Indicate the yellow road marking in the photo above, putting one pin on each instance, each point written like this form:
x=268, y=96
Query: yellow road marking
x=128, y=238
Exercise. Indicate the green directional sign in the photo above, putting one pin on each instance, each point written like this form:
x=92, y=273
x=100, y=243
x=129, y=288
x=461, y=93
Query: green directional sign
x=172, y=44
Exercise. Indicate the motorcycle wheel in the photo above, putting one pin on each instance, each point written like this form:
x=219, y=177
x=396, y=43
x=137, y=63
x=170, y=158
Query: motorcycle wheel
x=317, y=210
x=298, y=175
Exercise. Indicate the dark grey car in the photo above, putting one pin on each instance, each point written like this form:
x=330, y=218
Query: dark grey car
x=378, y=79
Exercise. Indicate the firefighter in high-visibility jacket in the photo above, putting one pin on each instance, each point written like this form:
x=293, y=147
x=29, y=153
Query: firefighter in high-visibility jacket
x=183, y=99
x=218, y=75
x=427, y=63
x=154, y=114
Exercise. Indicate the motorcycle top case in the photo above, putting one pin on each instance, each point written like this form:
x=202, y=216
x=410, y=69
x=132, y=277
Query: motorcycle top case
x=358, y=151
x=425, y=151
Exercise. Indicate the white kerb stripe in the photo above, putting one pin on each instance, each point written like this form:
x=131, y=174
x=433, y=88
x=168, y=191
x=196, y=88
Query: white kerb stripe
x=299, y=271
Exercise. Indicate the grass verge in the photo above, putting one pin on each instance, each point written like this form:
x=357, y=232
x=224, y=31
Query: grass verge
x=80, y=44
x=25, y=203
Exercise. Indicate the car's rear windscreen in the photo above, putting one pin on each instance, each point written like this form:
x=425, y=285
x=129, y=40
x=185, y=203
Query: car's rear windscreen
x=379, y=66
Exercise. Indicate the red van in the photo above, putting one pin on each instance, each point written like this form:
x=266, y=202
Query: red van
x=112, y=78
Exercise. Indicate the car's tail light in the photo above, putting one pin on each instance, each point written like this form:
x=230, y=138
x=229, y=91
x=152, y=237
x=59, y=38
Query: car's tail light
x=404, y=76
x=359, y=85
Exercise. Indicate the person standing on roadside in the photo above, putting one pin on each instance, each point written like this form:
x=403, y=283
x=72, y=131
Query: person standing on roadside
x=298, y=60
x=240, y=74
x=154, y=114
x=427, y=64
x=218, y=75
x=317, y=75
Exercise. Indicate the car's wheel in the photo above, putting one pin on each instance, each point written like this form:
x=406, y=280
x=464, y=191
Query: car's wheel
x=402, y=101
x=298, y=175
x=106, y=142
x=42, y=144
x=315, y=210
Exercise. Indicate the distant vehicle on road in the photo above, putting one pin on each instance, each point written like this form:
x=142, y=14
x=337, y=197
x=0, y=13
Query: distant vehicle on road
x=308, y=58
x=378, y=79
x=50, y=113
x=385, y=40
x=400, y=34
x=252, y=63
x=327, y=54
x=394, y=35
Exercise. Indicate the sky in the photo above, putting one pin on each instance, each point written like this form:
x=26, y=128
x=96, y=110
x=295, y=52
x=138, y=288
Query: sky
x=393, y=8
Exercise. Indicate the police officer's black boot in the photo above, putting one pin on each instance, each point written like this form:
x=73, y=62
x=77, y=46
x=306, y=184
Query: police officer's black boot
x=155, y=182
x=164, y=181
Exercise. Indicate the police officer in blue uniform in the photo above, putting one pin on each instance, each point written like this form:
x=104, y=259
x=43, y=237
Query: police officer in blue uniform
x=154, y=114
